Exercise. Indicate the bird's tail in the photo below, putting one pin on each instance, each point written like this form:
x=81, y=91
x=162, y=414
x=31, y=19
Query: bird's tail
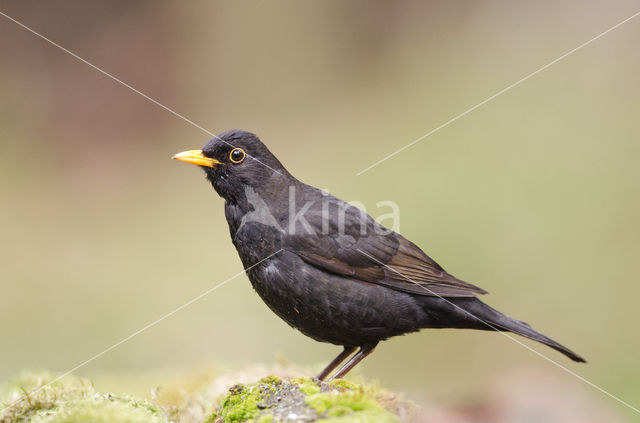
x=500, y=321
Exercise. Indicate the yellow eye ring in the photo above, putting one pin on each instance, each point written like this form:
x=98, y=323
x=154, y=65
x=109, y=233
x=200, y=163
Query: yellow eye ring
x=237, y=155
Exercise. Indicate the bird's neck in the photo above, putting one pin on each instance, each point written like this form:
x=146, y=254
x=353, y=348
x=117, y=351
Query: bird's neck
x=273, y=194
x=256, y=221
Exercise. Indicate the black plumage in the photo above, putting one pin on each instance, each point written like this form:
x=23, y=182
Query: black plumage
x=326, y=267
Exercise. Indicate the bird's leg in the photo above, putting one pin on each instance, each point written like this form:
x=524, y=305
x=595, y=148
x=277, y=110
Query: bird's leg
x=364, y=351
x=334, y=363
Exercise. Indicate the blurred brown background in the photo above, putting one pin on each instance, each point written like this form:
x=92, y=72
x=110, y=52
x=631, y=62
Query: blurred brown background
x=533, y=196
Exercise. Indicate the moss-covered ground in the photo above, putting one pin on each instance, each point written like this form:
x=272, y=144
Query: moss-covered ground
x=46, y=398
x=304, y=400
x=43, y=398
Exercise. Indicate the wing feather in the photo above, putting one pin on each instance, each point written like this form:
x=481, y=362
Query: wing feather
x=376, y=255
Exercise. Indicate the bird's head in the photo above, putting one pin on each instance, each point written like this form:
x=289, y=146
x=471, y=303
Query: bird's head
x=235, y=160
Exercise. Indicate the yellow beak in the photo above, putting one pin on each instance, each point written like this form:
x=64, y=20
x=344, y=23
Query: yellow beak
x=197, y=158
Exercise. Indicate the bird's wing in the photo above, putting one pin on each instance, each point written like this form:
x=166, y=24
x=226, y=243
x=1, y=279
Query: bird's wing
x=364, y=250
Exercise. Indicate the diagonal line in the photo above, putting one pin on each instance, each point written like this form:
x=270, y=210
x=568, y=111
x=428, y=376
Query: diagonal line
x=139, y=331
x=593, y=385
x=154, y=101
x=499, y=93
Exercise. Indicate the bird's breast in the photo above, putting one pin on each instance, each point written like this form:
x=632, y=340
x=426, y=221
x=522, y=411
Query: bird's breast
x=328, y=307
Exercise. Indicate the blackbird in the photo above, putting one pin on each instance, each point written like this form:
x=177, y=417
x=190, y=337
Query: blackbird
x=327, y=268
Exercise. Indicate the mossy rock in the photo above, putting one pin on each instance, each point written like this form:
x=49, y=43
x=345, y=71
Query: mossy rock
x=45, y=398
x=275, y=400
x=42, y=398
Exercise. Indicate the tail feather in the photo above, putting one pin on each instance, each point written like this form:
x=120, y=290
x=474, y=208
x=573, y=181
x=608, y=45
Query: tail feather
x=501, y=321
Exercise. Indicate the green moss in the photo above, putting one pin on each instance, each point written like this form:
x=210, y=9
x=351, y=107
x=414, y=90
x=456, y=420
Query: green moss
x=270, y=383
x=41, y=398
x=307, y=386
x=100, y=411
x=241, y=404
x=273, y=400
x=350, y=404
x=270, y=380
x=343, y=384
x=339, y=410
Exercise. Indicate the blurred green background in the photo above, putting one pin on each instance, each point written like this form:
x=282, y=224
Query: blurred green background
x=534, y=196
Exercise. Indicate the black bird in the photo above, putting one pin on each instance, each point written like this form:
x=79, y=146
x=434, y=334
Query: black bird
x=327, y=268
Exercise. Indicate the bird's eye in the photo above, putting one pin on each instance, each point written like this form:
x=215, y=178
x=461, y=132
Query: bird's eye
x=237, y=155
